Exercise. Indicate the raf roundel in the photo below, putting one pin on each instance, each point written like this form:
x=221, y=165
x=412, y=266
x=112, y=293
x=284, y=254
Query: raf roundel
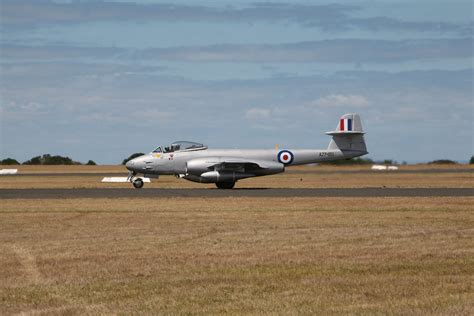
x=285, y=157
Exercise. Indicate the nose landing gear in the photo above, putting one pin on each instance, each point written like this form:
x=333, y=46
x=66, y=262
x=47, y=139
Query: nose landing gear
x=137, y=182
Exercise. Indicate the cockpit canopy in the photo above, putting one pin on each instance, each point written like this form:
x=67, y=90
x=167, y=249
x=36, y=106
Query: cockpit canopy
x=180, y=146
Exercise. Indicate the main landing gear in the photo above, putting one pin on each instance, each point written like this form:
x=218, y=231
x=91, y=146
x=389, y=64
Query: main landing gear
x=225, y=185
x=137, y=182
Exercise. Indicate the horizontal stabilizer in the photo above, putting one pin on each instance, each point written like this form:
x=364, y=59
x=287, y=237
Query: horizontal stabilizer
x=344, y=133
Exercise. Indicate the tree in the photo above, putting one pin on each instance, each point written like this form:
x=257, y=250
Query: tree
x=135, y=155
x=33, y=161
x=9, y=161
x=47, y=159
x=472, y=160
x=57, y=160
x=442, y=162
x=91, y=163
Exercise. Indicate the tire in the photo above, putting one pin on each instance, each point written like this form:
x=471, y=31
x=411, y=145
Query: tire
x=138, y=183
x=225, y=185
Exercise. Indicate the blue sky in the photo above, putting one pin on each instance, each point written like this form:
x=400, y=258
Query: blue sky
x=102, y=79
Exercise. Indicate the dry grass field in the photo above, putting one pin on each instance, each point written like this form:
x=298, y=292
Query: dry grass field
x=240, y=255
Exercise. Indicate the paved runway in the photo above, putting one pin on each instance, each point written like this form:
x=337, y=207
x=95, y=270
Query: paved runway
x=216, y=193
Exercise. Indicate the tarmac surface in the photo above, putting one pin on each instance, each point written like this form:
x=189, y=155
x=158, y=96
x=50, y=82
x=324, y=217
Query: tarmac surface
x=217, y=193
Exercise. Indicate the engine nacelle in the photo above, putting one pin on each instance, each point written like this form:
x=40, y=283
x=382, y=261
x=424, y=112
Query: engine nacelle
x=200, y=165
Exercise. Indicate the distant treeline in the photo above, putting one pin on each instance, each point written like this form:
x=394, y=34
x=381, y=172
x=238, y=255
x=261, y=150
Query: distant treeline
x=368, y=161
x=352, y=161
x=48, y=159
x=362, y=161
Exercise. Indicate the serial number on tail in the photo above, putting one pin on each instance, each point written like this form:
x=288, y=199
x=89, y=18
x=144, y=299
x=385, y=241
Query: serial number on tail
x=326, y=155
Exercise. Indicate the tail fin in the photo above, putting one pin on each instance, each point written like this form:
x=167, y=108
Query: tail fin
x=349, y=136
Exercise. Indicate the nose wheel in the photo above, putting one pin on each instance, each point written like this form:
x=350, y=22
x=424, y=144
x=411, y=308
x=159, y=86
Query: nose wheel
x=137, y=183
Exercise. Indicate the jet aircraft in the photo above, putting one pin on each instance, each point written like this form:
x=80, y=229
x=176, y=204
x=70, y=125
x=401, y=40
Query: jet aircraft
x=224, y=167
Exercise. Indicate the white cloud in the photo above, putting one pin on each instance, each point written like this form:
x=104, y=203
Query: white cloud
x=338, y=100
x=258, y=113
x=31, y=107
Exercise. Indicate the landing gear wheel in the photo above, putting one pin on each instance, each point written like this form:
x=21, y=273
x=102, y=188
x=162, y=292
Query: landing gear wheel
x=225, y=185
x=138, y=183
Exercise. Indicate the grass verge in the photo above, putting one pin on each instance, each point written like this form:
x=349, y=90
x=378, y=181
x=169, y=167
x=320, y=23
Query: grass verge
x=237, y=255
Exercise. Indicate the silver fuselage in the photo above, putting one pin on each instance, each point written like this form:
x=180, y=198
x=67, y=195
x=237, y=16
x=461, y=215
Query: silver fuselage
x=176, y=162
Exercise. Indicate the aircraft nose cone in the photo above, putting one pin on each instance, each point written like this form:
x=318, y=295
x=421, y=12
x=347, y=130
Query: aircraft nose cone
x=129, y=165
x=136, y=164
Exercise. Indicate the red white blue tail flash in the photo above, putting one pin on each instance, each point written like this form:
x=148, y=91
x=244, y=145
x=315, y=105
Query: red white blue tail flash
x=345, y=125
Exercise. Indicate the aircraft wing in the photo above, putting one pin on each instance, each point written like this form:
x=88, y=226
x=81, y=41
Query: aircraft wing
x=244, y=165
x=228, y=165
